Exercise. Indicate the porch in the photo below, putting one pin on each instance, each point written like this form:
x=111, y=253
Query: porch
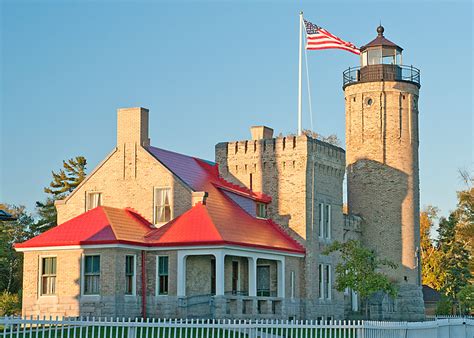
x=230, y=272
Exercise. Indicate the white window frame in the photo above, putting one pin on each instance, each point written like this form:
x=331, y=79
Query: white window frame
x=88, y=197
x=83, y=275
x=157, y=276
x=321, y=220
x=171, y=191
x=40, y=276
x=134, y=277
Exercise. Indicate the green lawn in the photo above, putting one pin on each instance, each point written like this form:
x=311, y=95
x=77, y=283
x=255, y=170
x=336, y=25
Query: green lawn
x=111, y=332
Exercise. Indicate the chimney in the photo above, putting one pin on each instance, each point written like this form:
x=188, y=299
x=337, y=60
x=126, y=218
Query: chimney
x=132, y=126
x=261, y=132
x=198, y=197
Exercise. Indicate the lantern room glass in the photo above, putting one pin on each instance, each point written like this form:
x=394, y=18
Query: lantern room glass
x=381, y=55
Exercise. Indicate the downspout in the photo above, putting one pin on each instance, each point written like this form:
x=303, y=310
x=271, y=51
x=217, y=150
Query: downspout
x=143, y=284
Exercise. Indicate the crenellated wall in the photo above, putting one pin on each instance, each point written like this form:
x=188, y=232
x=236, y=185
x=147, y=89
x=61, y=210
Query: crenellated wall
x=299, y=173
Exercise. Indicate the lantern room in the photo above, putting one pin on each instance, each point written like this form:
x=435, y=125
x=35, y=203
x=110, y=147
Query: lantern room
x=381, y=60
x=380, y=51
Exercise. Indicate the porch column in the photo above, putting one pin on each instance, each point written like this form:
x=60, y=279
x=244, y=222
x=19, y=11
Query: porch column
x=252, y=261
x=219, y=273
x=181, y=275
x=281, y=278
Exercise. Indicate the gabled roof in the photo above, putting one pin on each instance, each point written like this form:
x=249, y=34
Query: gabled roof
x=220, y=221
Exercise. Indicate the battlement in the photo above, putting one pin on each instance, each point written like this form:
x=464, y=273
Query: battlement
x=282, y=145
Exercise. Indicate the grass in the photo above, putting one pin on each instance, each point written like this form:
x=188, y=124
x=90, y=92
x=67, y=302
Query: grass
x=142, y=332
x=112, y=332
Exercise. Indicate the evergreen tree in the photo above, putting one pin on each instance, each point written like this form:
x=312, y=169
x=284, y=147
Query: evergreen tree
x=13, y=232
x=63, y=183
x=454, y=258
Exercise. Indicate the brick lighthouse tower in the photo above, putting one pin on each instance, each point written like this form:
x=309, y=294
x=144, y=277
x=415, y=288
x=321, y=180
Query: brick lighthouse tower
x=382, y=167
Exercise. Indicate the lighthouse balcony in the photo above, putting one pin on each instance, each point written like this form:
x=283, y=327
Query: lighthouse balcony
x=381, y=72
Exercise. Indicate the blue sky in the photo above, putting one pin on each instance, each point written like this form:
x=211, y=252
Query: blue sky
x=209, y=70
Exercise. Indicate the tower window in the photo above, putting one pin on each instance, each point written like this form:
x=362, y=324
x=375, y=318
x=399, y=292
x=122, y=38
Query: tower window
x=369, y=102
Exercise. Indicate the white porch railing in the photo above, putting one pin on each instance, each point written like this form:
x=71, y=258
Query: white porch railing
x=11, y=327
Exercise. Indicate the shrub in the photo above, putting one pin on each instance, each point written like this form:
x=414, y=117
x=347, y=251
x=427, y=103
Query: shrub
x=9, y=304
x=444, y=306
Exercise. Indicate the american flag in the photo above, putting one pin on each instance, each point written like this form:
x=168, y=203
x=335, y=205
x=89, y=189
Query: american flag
x=319, y=38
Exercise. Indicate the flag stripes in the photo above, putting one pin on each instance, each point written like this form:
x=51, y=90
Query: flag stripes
x=318, y=38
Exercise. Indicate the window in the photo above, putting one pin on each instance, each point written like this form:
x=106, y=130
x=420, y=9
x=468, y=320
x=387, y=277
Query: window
x=292, y=284
x=261, y=210
x=327, y=219
x=162, y=275
x=325, y=281
x=91, y=275
x=48, y=275
x=162, y=205
x=328, y=282
x=130, y=275
x=321, y=220
x=321, y=282
x=94, y=199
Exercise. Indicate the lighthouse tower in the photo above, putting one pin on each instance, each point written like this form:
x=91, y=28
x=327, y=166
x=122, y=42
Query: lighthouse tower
x=381, y=100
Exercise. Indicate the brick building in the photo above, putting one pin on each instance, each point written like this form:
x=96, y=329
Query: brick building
x=154, y=233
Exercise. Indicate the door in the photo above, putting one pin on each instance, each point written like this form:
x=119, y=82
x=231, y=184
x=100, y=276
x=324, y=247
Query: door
x=263, y=280
x=235, y=277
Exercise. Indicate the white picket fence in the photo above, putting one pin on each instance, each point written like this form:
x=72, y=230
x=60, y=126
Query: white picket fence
x=14, y=327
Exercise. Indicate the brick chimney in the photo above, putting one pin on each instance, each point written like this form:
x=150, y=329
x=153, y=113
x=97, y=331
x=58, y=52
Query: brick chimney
x=261, y=132
x=132, y=126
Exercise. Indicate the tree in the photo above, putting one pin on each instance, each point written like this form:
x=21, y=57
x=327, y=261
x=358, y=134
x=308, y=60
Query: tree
x=466, y=299
x=10, y=261
x=360, y=271
x=63, y=183
x=465, y=216
x=431, y=270
x=454, y=258
x=331, y=139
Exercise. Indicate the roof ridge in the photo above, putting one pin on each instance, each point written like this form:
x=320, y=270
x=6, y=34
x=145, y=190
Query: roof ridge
x=285, y=232
x=136, y=214
x=210, y=217
x=108, y=219
x=174, y=152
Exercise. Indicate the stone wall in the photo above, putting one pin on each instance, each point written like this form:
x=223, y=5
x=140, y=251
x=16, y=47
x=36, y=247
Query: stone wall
x=382, y=159
x=66, y=300
x=298, y=172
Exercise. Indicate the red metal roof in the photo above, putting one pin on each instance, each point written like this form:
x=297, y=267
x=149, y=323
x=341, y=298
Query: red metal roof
x=100, y=225
x=219, y=222
x=197, y=173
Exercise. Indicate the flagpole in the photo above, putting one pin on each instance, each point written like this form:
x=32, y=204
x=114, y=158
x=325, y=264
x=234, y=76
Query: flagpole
x=300, y=129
